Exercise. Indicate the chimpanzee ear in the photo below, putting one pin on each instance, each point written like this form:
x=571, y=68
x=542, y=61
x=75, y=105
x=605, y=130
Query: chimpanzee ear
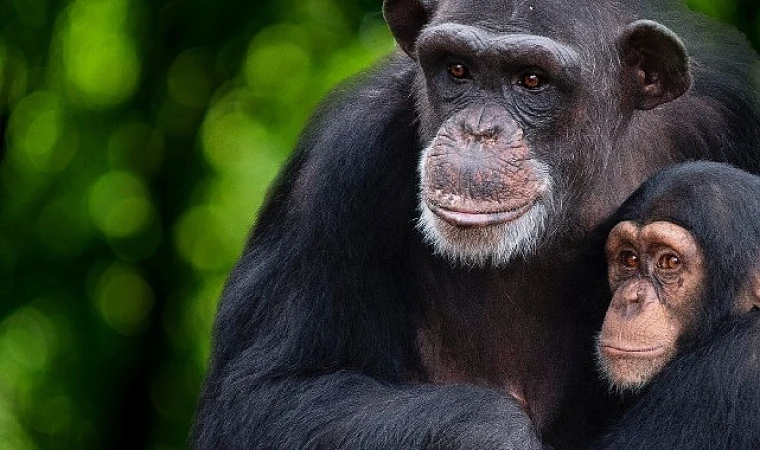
x=754, y=291
x=406, y=18
x=655, y=63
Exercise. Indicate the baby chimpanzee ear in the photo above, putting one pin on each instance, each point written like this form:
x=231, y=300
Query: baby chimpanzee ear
x=406, y=18
x=749, y=297
x=655, y=64
x=754, y=291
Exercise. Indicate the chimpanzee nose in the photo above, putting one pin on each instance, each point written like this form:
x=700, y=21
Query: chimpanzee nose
x=488, y=121
x=633, y=298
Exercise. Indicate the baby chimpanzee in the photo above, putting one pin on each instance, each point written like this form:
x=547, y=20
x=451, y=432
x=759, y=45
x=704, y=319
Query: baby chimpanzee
x=681, y=332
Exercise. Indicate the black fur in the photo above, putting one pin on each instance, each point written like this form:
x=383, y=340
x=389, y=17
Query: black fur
x=317, y=342
x=708, y=397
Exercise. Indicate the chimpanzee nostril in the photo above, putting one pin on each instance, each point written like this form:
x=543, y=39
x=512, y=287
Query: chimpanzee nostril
x=490, y=133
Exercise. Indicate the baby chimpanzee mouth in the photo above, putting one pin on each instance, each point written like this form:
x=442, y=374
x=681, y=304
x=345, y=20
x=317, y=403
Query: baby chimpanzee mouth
x=644, y=352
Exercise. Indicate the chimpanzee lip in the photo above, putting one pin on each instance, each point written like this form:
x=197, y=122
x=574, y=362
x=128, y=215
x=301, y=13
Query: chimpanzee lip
x=644, y=352
x=472, y=219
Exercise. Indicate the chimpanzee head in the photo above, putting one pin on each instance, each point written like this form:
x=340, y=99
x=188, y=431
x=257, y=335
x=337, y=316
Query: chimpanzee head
x=683, y=256
x=518, y=108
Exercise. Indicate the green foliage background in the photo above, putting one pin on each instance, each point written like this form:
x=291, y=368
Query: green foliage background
x=138, y=139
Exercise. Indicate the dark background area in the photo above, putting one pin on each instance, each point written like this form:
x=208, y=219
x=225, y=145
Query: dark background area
x=138, y=139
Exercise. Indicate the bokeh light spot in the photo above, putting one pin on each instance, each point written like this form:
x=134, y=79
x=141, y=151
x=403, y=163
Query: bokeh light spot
x=327, y=12
x=124, y=299
x=119, y=204
x=42, y=135
x=38, y=135
x=283, y=67
x=100, y=58
x=86, y=64
x=201, y=237
x=27, y=343
x=231, y=138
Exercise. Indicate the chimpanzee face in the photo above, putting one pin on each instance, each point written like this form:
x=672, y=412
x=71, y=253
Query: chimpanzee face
x=657, y=274
x=515, y=123
x=682, y=258
x=487, y=192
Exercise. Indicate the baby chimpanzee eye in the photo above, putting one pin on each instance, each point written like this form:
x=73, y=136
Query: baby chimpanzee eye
x=669, y=261
x=629, y=259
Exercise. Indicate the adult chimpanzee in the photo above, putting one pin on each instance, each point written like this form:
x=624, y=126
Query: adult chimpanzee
x=684, y=266
x=418, y=271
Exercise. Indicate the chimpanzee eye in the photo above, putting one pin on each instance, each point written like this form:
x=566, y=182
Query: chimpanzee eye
x=628, y=259
x=532, y=81
x=459, y=71
x=669, y=261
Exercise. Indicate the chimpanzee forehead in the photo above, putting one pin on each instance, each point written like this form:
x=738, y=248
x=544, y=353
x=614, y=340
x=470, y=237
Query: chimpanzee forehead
x=652, y=237
x=543, y=17
x=545, y=52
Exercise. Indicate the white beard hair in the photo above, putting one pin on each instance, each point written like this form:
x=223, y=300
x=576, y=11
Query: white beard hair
x=495, y=245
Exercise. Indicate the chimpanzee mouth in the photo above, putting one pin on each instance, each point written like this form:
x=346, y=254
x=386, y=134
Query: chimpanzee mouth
x=476, y=219
x=611, y=351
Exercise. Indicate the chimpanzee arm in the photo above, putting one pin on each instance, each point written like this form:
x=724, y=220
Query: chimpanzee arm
x=707, y=398
x=350, y=411
x=315, y=330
